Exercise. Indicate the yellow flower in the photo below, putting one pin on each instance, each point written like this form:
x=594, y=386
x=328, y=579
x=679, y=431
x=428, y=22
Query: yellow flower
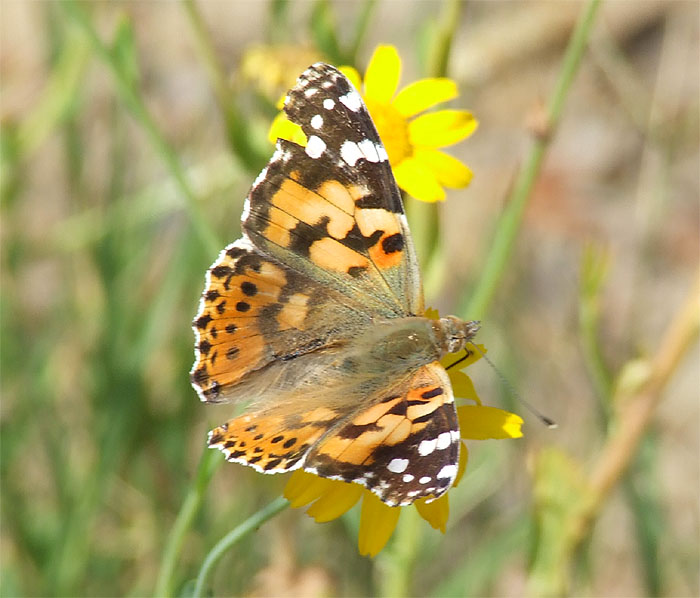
x=410, y=135
x=329, y=499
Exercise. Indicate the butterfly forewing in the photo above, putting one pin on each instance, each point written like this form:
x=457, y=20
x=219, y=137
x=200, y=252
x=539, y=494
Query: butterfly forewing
x=332, y=209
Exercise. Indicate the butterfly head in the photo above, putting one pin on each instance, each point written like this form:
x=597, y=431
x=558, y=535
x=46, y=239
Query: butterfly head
x=454, y=333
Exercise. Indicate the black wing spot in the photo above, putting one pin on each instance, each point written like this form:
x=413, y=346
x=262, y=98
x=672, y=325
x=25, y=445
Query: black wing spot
x=202, y=321
x=272, y=464
x=356, y=271
x=249, y=288
x=231, y=328
x=429, y=394
x=242, y=306
x=221, y=271
x=200, y=376
x=232, y=352
x=393, y=243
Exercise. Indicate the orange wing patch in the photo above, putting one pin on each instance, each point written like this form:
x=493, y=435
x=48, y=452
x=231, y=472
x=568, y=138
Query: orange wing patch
x=269, y=442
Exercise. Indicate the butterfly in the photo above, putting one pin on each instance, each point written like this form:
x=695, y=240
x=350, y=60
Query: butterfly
x=315, y=316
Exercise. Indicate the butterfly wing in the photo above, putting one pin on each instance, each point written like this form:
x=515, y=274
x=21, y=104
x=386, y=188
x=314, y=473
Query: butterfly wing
x=332, y=210
x=325, y=249
x=256, y=323
x=402, y=444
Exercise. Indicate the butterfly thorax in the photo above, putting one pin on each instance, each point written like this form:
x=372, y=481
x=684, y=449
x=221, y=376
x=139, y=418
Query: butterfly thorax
x=409, y=343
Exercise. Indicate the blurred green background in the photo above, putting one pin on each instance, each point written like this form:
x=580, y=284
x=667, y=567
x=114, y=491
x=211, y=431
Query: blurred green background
x=131, y=132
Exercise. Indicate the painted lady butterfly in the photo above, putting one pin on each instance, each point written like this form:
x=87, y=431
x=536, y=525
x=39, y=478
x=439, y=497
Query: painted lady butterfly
x=315, y=316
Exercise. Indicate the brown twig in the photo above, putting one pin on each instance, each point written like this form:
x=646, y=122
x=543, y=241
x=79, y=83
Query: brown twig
x=637, y=411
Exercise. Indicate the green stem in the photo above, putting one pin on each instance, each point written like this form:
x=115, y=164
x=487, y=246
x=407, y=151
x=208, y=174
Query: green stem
x=237, y=128
x=425, y=217
x=594, y=267
x=510, y=221
x=361, y=26
x=190, y=507
x=398, y=565
x=236, y=534
x=449, y=21
x=127, y=90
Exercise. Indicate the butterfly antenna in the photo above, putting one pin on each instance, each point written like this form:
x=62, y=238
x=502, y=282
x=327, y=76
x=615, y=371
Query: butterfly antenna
x=550, y=423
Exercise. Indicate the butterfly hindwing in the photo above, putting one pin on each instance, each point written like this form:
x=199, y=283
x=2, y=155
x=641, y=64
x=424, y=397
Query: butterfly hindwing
x=272, y=442
x=403, y=445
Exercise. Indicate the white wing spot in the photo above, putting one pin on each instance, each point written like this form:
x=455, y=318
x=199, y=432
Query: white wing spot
x=260, y=177
x=315, y=147
x=425, y=479
x=317, y=121
x=246, y=207
x=444, y=440
x=369, y=150
x=408, y=478
x=426, y=447
x=328, y=104
x=397, y=465
x=383, y=156
x=310, y=92
x=448, y=471
x=352, y=100
x=350, y=153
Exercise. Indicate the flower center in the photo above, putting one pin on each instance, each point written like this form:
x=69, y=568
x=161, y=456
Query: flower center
x=393, y=130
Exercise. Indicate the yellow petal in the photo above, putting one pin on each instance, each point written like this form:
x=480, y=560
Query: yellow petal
x=463, y=387
x=282, y=128
x=479, y=423
x=438, y=129
x=339, y=498
x=462, y=467
x=352, y=74
x=423, y=94
x=431, y=314
x=449, y=171
x=435, y=512
x=414, y=178
x=377, y=523
x=474, y=357
x=382, y=74
x=303, y=488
